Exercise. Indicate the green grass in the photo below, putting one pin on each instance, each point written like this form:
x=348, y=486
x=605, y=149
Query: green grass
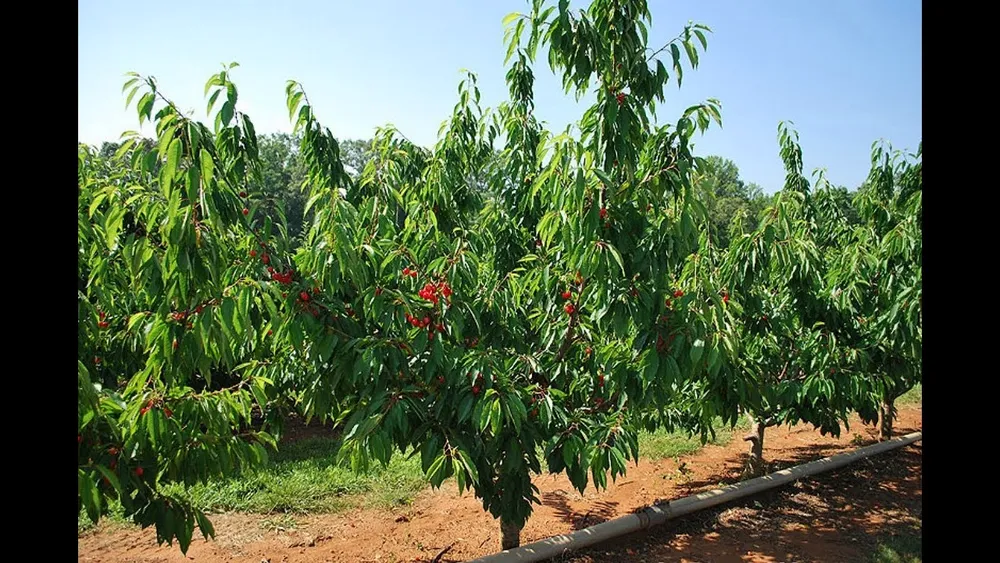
x=899, y=549
x=302, y=477
x=305, y=477
x=913, y=396
x=664, y=445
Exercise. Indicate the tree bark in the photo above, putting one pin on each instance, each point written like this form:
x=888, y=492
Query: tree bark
x=510, y=535
x=886, y=412
x=755, y=462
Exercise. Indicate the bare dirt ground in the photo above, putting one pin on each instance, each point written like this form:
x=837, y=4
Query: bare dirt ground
x=831, y=517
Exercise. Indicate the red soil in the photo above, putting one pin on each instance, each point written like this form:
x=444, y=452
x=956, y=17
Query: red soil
x=832, y=517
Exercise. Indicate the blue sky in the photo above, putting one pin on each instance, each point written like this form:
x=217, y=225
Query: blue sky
x=846, y=72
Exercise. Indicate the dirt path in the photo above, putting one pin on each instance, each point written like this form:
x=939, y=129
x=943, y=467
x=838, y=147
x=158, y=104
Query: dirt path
x=818, y=520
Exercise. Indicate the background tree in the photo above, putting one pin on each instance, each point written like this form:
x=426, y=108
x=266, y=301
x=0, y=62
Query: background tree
x=171, y=312
x=879, y=279
x=726, y=196
x=790, y=356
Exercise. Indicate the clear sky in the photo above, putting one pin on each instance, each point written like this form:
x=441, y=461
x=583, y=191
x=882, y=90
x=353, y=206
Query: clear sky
x=846, y=72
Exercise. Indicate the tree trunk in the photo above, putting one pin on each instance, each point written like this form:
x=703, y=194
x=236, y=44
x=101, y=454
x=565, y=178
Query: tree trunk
x=755, y=462
x=885, y=428
x=510, y=535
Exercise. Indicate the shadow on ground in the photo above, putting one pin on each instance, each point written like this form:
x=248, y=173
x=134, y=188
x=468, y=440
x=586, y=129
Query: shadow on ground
x=839, y=516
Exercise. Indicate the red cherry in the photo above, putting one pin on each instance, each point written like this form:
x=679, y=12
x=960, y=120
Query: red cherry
x=270, y=269
x=315, y=289
x=378, y=291
x=588, y=351
x=243, y=194
x=265, y=258
x=283, y=295
x=253, y=254
x=406, y=271
x=113, y=450
x=246, y=211
x=143, y=410
x=304, y=295
x=570, y=308
x=678, y=293
x=270, y=332
x=620, y=97
x=440, y=379
x=604, y=212
x=138, y=471
x=475, y=389
x=566, y=294
x=101, y=315
x=725, y=298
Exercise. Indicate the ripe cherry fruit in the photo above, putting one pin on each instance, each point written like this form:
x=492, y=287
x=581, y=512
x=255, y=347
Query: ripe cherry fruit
x=604, y=212
x=265, y=258
x=304, y=295
x=566, y=294
x=678, y=293
x=243, y=194
x=253, y=254
x=246, y=211
x=570, y=308
x=138, y=471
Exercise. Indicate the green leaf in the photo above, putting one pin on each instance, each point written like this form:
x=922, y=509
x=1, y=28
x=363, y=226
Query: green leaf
x=509, y=18
x=173, y=159
x=697, y=348
x=207, y=166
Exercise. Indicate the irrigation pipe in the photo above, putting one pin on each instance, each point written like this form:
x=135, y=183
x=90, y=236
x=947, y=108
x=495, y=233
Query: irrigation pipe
x=658, y=514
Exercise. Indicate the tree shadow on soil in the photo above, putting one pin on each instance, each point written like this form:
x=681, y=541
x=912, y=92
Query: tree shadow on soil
x=830, y=517
x=597, y=512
